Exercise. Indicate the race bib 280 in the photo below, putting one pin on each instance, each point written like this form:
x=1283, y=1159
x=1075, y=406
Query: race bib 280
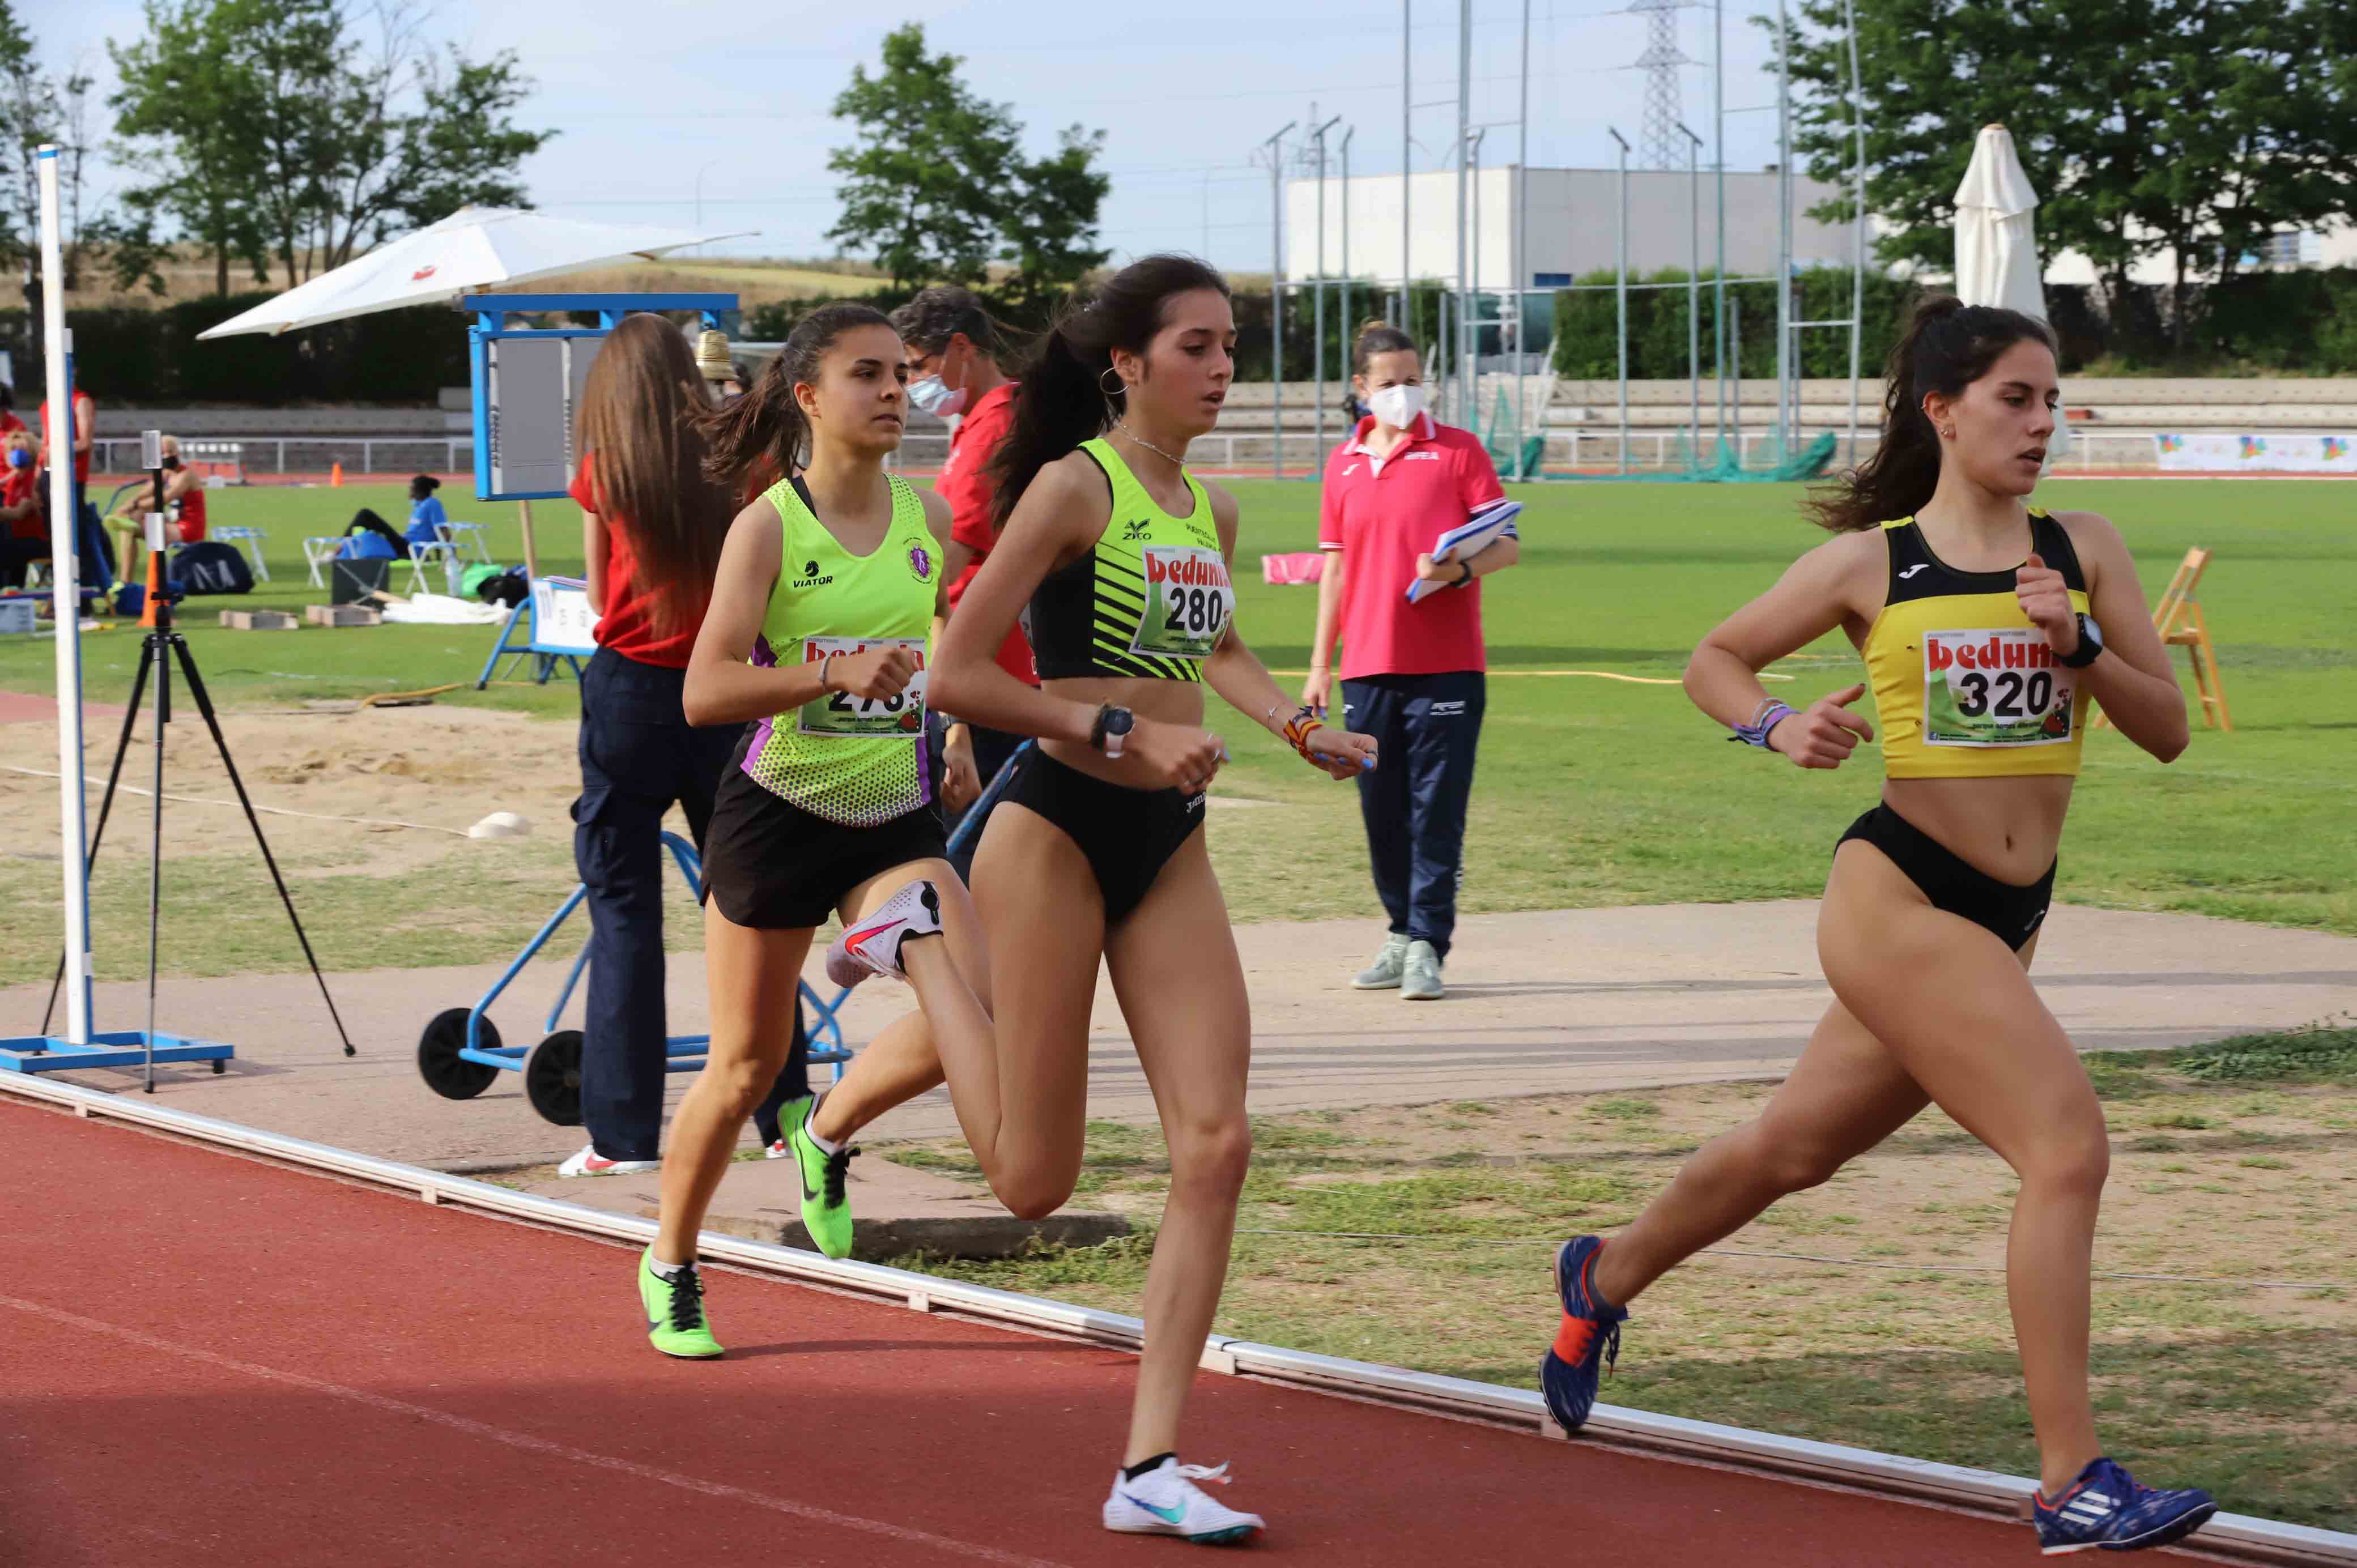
x=1189, y=600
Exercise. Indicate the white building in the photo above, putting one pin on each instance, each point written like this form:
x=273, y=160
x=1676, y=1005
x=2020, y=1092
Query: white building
x=2332, y=245
x=1570, y=218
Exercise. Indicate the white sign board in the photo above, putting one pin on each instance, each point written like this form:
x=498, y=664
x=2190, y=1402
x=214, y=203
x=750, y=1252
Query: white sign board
x=562, y=620
x=2212, y=452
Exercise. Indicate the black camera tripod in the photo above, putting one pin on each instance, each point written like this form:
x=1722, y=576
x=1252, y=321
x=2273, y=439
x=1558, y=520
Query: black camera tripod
x=157, y=649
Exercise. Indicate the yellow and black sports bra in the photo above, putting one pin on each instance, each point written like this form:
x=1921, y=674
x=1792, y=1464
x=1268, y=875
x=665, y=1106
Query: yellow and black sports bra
x=1964, y=684
x=1152, y=599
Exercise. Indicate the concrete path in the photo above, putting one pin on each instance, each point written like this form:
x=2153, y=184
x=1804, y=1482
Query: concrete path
x=1540, y=1002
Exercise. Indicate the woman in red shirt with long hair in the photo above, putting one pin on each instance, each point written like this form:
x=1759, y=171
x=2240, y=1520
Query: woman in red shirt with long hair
x=652, y=529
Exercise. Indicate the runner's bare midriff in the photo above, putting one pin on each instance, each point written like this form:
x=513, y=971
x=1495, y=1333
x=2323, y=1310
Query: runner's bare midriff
x=1158, y=702
x=2005, y=828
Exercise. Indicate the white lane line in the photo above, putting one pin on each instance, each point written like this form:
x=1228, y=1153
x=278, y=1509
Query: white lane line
x=532, y=1444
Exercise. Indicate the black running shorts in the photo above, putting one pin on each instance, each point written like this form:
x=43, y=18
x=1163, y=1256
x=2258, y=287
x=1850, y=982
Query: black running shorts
x=1128, y=836
x=2011, y=914
x=771, y=865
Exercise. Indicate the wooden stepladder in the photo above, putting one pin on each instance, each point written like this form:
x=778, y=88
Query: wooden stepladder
x=2177, y=619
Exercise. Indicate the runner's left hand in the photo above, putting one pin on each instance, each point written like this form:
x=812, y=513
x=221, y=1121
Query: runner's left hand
x=2045, y=600
x=961, y=781
x=1340, y=753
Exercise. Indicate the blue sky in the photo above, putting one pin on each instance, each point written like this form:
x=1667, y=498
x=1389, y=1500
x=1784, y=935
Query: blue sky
x=1186, y=96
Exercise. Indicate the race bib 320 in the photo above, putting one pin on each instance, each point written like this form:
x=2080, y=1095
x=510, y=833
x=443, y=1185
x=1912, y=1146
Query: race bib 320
x=1994, y=688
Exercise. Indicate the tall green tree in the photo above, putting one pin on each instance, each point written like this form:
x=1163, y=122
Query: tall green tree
x=936, y=186
x=37, y=108
x=185, y=118
x=2198, y=126
x=305, y=130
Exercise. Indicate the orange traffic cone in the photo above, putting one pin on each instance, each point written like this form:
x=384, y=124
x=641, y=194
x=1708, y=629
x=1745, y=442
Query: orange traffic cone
x=336, y=476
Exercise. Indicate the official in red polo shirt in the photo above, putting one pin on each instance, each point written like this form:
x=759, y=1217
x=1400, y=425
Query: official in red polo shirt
x=1412, y=671
x=953, y=371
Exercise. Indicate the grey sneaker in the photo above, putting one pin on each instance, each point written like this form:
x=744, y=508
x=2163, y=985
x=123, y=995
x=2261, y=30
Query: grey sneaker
x=1383, y=974
x=1420, y=974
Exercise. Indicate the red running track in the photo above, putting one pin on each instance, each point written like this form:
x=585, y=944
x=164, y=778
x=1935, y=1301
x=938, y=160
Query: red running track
x=206, y=1359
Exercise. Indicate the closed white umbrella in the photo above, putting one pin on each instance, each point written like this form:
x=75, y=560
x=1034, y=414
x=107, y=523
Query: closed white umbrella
x=475, y=248
x=1997, y=245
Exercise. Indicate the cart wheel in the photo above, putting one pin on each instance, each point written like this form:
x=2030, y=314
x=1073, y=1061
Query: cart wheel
x=439, y=1064
x=551, y=1078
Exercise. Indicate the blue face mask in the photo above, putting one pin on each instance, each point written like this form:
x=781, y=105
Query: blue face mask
x=18, y=457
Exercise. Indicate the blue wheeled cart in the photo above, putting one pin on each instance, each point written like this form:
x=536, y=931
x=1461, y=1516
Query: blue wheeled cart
x=459, y=1055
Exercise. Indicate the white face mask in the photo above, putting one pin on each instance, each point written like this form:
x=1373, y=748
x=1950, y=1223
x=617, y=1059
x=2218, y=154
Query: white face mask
x=933, y=396
x=1397, y=405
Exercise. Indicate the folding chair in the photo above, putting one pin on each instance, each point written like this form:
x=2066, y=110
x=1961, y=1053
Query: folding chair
x=440, y=550
x=319, y=549
x=2177, y=619
x=252, y=541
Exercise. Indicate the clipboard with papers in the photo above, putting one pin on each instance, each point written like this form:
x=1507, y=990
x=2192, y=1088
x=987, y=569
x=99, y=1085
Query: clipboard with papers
x=1468, y=539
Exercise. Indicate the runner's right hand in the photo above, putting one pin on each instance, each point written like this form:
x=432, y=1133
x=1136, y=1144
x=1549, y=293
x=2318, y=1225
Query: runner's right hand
x=1316, y=689
x=874, y=674
x=1173, y=757
x=1824, y=734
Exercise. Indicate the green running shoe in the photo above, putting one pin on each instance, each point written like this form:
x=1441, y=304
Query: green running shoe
x=676, y=1322
x=826, y=1207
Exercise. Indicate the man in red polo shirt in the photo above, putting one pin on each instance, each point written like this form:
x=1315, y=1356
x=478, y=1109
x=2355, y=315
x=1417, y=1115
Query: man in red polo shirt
x=951, y=374
x=1413, y=669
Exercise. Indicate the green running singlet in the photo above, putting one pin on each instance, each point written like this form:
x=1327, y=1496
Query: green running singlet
x=849, y=760
x=1151, y=600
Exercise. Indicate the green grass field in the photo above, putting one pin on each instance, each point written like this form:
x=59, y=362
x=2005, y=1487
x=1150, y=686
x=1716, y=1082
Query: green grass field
x=1598, y=791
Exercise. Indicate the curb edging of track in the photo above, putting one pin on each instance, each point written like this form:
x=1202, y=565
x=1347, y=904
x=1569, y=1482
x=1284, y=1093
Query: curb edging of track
x=2235, y=1536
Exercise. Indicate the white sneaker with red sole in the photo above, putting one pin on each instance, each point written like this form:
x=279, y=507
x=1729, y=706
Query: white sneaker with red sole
x=872, y=946
x=589, y=1162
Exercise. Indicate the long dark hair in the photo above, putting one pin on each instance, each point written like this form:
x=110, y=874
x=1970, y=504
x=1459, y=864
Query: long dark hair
x=646, y=456
x=1948, y=346
x=1063, y=399
x=763, y=436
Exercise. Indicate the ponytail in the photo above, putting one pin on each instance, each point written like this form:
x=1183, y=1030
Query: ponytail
x=763, y=436
x=1067, y=392
x=1947, y=346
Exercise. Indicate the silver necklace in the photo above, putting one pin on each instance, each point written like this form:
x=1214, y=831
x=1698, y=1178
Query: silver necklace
x=1123, y=425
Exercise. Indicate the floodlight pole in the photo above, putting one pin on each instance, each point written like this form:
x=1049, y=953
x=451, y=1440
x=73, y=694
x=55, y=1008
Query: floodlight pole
x=65, y=598
x=1693, y=289
x=1275, y=146
x=1464, y=146
x=1783, y=231
x=1407, y=171
x=1348, y=329
x=1857, y=225
x=1473, y=358
x=1621, y=252
x=1719, y=159
x=1317, y=307
x=1522, y=196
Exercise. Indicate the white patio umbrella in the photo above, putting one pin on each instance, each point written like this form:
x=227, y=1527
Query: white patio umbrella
x=474, y=249
x=1997, y=248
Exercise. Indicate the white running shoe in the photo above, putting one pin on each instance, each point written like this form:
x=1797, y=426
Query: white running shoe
x=1166, y=1501
x=872, y=946
x=589, y=1162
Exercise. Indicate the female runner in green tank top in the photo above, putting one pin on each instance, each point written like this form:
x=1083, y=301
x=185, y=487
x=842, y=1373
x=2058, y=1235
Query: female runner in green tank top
x=829, y=583
x=1118, y=558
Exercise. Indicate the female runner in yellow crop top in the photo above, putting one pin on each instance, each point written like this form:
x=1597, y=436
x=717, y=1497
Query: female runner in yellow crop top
x=1986, y=626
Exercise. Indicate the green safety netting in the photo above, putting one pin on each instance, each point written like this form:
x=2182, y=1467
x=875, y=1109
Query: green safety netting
x=1686, y=466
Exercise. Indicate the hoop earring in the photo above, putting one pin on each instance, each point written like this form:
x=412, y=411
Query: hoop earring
x=1119, y=387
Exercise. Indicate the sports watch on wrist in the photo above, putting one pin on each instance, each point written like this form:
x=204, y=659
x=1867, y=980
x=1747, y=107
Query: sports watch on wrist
x=1112, y=727
x=2091, y=645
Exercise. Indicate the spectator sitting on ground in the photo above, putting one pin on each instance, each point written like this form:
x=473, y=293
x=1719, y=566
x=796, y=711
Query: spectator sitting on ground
x=184, y=504
x=428, y=521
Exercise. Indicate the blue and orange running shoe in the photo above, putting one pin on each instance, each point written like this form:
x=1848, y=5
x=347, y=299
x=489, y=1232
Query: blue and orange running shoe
x=2106, y=1509
x=1589, y=1339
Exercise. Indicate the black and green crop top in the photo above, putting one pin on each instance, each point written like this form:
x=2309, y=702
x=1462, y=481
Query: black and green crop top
x=1151, y=600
